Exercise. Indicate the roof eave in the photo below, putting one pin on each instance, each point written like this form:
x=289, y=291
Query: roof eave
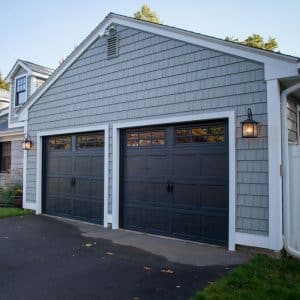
x=276, y=65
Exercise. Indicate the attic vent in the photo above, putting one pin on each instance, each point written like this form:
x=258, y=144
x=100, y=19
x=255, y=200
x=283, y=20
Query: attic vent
x=112, y=43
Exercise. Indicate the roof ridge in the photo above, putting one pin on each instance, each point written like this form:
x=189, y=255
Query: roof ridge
x=30, y=62
x=206, y=35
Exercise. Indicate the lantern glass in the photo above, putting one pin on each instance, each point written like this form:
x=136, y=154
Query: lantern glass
x=26, y=144
x=250, y=129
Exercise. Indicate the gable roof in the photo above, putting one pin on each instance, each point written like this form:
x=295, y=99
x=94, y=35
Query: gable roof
x=277, y=65
x=31, y=69
x=38, y=68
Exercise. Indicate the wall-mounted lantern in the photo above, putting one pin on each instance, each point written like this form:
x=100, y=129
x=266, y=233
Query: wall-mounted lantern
x=27, y=142
x=250, y=127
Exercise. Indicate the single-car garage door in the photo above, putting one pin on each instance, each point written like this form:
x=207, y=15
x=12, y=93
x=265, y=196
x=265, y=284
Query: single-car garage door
x=174, y=181
x=73, y=176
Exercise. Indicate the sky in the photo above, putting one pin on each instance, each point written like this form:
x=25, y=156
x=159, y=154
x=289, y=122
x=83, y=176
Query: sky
x=46, y=31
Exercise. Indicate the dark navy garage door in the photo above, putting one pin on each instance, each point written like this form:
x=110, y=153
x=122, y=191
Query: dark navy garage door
x=174, y=181
x=74, y=175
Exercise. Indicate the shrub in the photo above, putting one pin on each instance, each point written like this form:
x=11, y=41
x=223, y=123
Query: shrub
x=8, y=195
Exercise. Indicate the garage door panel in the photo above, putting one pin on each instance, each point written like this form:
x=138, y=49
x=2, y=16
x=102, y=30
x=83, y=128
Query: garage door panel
x=82, y=165
x=135, y=191
x=97, y=189
x=187, y=165
x=213, y=227
x=137, y=166
x=215, y=196
x=82, y=187
x=186, y=196
x=74, y=176
x=215, y=165
x=158, y=164
x=97, y=166
x=156, y=192
x=134, y=217
x=186, y=224
x=156, y=220
x=60, y=204
x=62, y=164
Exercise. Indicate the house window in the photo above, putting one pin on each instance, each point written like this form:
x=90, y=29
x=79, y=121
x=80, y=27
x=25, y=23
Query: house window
x=5, y=162
x=20, y=91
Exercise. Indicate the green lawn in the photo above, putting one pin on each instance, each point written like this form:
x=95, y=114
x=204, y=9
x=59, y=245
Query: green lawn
x=263, y=278
x=11, y=212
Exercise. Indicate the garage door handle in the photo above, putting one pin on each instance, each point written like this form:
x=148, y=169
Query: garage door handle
x=169, y=187
x=73, y=181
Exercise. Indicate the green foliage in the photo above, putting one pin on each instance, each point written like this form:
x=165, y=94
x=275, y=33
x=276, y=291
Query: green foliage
x=263, y=278
x=7, y=194
x=146, y=14
x=3, y=84
x=6, y=212
x=257, y=41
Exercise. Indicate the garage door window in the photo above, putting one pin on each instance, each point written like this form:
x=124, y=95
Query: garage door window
x=146, y=138
x=60, y=143
x=90, y=140
x=200, y=135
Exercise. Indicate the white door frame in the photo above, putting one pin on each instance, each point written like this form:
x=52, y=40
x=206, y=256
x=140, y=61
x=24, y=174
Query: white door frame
x=70, y=130
x=229, y=115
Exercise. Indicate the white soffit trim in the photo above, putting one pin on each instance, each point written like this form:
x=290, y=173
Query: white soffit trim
x=276, y=65
x=229, y=115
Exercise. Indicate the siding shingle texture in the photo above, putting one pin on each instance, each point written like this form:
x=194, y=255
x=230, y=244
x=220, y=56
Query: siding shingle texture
x=154, y=76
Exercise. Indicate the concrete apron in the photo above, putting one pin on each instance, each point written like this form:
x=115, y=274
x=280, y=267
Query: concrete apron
x=174, y=250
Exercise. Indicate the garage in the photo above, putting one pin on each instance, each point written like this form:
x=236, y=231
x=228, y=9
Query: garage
x=174, y=181
x=73, y=173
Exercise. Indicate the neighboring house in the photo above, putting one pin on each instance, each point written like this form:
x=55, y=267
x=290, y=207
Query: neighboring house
x=24, y=78
x=140, y=128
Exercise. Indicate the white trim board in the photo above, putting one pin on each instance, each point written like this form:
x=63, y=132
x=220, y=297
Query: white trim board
x=276, y=65
x=274, y=163
x=39, y=162
x=229, y=115
x=252, y=240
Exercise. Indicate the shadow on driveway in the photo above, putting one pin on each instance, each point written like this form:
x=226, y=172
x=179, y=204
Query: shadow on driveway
x=43, y=258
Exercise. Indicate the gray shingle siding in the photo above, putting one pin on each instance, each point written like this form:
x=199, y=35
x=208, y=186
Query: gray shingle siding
x=152, y=77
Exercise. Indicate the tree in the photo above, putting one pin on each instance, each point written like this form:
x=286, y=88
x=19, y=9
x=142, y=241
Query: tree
x=146, y=14
x=3, y=84
x=257, y=41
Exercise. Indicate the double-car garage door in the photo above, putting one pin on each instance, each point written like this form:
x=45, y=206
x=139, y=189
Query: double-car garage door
x=173, y=179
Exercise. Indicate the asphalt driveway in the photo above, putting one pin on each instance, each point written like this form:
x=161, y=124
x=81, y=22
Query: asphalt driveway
x=43, y=258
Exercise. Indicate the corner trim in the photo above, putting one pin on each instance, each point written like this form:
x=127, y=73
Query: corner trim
x=39, y=162
x=274, y=162
x=230, y=115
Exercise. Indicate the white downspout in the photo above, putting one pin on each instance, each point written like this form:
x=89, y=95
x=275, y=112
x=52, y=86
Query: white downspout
x=286, y=171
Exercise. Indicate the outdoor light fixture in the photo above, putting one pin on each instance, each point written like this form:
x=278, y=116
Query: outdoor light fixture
x=27, y=142
x=249, y=126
